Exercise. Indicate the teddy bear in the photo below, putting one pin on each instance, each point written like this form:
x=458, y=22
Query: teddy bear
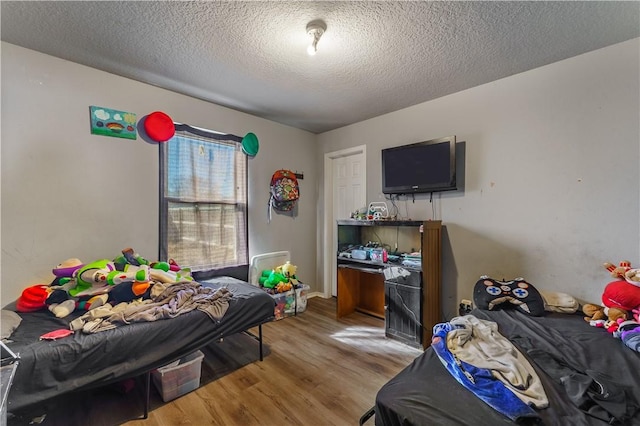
x=599, y=316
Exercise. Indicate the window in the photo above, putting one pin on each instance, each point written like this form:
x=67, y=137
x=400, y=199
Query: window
x=203, y=200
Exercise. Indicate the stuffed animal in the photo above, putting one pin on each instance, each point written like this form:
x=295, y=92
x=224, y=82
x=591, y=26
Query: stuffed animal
x=129, y=291
x=288, y=269
x=624, y=272
x=169, y=276
x=97, y=277
x=283, y=287
x=90, y=279
x=274, y=279
x=171, y=265
x=33, y=298
x=618, y=271
x=598, y=316
x=88, y=285
x=620, y=298
x=282, y=278
x=622, y=295
x=632, y=276
x=62, y=308
x=131, y=257
x=67, y=268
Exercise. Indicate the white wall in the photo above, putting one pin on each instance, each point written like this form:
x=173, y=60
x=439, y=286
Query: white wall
x=552, y=182
x=67, y=193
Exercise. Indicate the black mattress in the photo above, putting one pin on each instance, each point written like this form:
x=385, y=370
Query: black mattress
x=557, y=345
x=50, y=368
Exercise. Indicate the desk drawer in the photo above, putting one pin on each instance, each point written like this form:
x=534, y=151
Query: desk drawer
x=414, y=279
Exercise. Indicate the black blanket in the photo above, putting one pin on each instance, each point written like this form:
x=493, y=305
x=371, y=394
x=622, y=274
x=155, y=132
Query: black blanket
x=589, y=376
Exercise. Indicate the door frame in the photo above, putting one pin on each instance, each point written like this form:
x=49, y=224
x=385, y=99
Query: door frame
x=330, y=237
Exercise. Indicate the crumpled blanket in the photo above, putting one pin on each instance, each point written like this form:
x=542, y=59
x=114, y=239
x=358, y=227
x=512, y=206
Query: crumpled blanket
x=478, y=342
x=480, y=381
x=169, y=301
x=592, y=391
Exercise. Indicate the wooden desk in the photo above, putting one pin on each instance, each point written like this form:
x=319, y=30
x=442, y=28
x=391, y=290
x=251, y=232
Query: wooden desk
x=360, y=288
x=361, y=284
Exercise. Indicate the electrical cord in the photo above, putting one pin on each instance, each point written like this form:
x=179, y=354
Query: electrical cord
x=393, y=214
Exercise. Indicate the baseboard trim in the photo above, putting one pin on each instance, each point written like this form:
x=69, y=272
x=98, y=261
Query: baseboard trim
x=317, y=294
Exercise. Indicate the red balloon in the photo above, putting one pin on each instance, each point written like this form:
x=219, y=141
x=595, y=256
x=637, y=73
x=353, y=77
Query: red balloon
x=159, y=126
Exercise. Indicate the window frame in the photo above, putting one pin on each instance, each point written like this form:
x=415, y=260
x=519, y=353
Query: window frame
x=164, y=200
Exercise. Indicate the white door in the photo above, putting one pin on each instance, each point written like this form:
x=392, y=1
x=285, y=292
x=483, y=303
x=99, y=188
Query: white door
x=348, y=185
x=345, y=192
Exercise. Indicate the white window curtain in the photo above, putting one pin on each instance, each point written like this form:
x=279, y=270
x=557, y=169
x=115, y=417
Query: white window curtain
x=203, y=200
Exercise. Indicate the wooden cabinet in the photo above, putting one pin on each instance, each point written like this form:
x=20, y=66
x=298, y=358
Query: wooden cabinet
x=407, y=297
x=360, y=288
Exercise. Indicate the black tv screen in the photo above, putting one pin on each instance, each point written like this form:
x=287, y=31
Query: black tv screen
x=428, y=166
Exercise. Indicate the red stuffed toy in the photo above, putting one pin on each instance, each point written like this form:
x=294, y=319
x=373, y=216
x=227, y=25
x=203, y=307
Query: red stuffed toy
x=622, y=295
x=33, y=298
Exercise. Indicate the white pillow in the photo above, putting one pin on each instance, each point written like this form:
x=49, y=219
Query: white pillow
x=9, y=321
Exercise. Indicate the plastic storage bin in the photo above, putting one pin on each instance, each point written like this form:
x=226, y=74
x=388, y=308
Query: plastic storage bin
x=288, y=303
x=301, y=298
x=174, y=380
x=266, y=261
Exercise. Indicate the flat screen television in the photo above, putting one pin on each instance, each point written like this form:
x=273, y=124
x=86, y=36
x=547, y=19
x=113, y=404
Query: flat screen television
x=428, y=166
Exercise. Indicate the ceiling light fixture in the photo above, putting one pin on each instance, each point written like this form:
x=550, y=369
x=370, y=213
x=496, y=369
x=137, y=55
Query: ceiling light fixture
x=315, y=29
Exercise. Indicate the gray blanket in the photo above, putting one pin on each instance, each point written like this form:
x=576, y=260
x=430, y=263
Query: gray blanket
x=172, y=300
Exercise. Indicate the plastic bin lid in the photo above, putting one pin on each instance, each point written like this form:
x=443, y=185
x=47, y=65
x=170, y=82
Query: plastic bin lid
x=261, y=262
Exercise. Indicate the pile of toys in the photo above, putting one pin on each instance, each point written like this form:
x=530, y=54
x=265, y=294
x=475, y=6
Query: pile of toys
x=280, y=279
x=285, y=288
x=619, y=313
x=85, y=286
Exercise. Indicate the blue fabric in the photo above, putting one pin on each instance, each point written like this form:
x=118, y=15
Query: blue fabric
x=632, y=339
x=479, y=380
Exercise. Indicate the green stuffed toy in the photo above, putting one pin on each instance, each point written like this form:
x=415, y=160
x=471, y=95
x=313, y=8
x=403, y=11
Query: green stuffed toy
x=97, y=277
x=91, y=278
x=283, y=274
x=274, y=279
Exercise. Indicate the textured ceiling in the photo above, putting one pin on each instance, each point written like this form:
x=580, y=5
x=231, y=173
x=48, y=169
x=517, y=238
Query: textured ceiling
x=374, y=58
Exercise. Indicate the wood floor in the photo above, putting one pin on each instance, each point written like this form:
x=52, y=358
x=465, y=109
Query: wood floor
x=316, y=371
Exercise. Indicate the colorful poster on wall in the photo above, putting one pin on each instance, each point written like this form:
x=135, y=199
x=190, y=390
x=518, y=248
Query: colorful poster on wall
x=111, y=122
